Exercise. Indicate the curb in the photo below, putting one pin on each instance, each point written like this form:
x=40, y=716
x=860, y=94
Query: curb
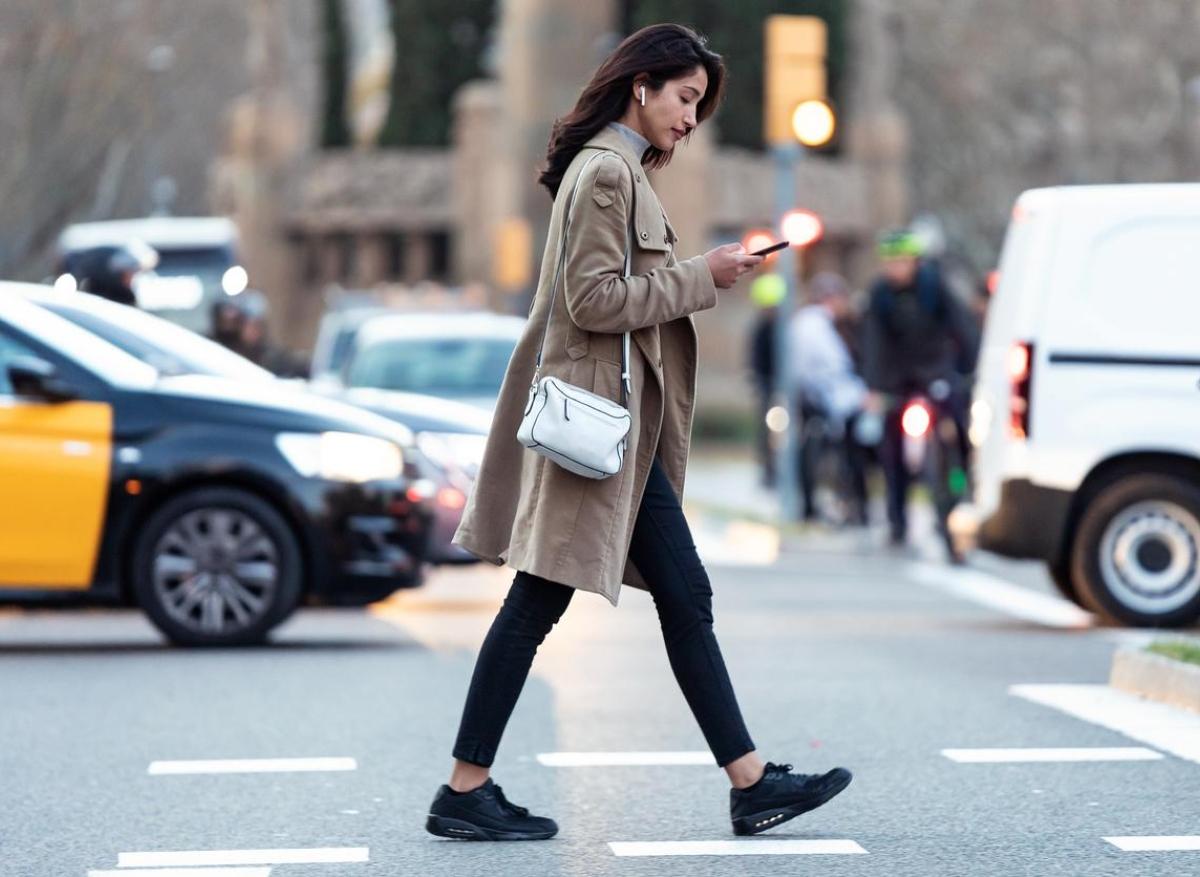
x=1156, y=677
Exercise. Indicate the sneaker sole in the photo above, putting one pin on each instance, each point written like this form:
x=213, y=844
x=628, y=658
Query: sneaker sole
x=759, y=822
x=445, y=826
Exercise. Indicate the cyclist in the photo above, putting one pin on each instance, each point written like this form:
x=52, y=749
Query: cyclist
x=915, y=333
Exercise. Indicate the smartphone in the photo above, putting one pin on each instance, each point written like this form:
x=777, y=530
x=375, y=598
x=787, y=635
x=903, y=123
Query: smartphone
x=766, y=251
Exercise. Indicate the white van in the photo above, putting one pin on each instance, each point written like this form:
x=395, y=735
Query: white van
x=1086, y=410
x=197, y=262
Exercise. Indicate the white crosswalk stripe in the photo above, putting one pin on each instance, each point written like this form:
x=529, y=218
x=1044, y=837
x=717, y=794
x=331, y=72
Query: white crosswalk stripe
x=185, y=872
x=185, y=858
x=623, y=759
x=738, y=848
x=1017, y=756
x=251, y=765
x=1163, y=844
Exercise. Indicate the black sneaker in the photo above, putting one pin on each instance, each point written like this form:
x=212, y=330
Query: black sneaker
x=484, y=814
x=781, y=795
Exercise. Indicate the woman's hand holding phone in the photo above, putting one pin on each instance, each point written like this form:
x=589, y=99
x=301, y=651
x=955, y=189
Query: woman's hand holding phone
x=729, y=262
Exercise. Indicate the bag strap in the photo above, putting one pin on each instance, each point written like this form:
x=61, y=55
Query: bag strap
x=626, y=381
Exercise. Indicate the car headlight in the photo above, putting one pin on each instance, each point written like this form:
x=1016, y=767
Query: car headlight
x=341, y=456
x=460, y=450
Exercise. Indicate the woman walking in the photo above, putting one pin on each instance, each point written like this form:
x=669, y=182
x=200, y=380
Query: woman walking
x=564, y=532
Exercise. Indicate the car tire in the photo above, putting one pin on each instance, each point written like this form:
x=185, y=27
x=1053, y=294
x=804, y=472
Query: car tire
x=1136, y=555
x=1060, y=575
x=217, y=566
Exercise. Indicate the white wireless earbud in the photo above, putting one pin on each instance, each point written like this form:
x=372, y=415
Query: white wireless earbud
x=643, y=95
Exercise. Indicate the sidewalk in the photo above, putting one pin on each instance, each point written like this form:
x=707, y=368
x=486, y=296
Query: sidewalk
x=731, y=515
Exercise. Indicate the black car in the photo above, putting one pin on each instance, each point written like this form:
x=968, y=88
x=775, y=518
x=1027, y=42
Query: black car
x=451, y=436
x=218, y=505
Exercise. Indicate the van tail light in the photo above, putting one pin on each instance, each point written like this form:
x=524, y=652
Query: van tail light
x=1020, y=381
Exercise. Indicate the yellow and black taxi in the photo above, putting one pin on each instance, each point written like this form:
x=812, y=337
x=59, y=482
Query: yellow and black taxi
x=217, y=500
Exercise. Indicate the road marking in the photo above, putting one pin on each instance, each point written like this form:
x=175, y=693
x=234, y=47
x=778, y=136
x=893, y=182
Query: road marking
x=251, y=765
x=738, y=848
x=1166, y=843
x=622, y=759
x=1164, y=727
x=996, y=593
x=185, y=858
x=1017, y=756
x=187, y=872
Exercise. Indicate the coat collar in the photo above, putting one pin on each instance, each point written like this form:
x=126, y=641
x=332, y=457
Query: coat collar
x=609, y=138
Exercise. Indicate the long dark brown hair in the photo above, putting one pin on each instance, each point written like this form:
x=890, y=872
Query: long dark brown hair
x=659, y=52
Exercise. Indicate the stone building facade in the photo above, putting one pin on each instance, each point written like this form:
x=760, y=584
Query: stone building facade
x=386, y=219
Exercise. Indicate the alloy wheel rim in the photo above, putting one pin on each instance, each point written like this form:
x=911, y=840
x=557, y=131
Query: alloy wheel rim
x=216, y=571
x=1149, y=555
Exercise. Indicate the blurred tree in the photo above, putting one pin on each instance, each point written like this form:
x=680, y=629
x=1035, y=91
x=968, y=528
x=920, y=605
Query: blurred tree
x=438, y=46
x=96, y=109
x=1002, y=97
x=736, y=32
x=335, y=131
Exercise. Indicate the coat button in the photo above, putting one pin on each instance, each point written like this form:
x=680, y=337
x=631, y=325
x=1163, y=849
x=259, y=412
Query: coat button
x=660, y=363
x=637, y=177
x=645, y=236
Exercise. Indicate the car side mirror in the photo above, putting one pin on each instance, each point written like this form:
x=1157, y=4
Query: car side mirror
x=37, y=379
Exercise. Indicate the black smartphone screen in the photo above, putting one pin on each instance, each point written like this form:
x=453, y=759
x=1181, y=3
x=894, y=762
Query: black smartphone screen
x=766, y=251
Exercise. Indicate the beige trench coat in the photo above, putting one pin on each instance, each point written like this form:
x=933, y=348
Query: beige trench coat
x=527, y=511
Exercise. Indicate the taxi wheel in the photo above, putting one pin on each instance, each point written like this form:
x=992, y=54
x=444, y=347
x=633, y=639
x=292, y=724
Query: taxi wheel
x=217, y=567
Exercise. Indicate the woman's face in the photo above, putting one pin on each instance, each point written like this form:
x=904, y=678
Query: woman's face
x=670, y=113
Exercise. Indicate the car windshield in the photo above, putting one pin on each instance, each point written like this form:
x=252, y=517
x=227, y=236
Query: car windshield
x=206, y=263
x=170, y=349
x=445, y=367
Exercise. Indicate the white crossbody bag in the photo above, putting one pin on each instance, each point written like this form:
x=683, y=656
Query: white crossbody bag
x=579, y=430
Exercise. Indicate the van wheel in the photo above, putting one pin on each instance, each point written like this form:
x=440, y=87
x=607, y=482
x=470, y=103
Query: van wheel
x=1060, y=574
x=216, y=567
x=1136, y=557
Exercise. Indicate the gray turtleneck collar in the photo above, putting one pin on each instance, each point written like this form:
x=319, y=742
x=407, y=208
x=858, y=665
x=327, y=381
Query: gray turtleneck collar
x=640, y=144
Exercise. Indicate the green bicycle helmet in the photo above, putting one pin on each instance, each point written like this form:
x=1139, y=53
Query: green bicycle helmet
x=899, y=243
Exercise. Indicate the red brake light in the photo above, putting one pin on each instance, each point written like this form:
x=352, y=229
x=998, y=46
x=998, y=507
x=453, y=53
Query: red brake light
x=1018, y=362
x=1020, y=376
x=451, y=498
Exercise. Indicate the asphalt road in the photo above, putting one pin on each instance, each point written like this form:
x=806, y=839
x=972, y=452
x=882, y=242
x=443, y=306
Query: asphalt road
x=840, y=654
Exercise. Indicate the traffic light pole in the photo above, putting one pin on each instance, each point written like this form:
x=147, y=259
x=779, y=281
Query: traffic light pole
x=787, y=453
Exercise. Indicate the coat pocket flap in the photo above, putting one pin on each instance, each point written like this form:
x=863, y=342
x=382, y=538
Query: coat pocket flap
x=650, y=228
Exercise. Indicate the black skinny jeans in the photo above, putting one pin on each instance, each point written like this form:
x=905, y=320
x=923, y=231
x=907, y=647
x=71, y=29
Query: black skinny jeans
x=665, y=555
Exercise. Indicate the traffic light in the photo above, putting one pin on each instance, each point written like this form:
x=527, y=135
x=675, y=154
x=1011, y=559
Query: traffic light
x=814, y=123
x=802, y=227
x=793, y=73
x=757, y=239
x=511, y=254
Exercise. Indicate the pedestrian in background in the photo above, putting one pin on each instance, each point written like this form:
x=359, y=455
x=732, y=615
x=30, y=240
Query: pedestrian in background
x=111, y=271
x=831, y=394
x=767, y=291
x=563, y=532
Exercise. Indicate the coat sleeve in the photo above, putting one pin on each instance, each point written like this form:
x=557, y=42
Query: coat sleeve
x=598, y=297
